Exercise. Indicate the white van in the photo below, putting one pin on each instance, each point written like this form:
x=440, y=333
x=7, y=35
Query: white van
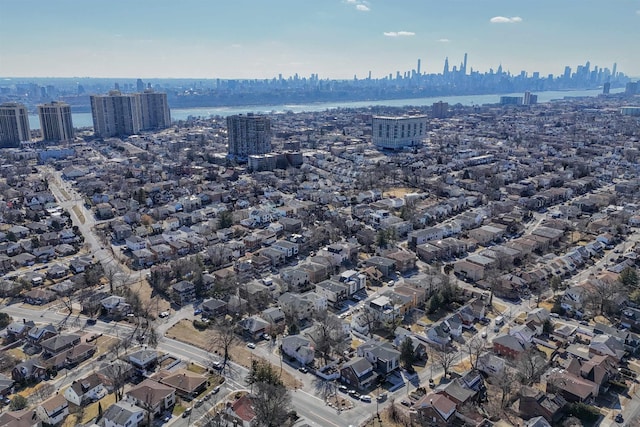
x=499, y=320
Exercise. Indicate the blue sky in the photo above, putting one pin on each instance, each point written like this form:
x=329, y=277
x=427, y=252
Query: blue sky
x=334, y=38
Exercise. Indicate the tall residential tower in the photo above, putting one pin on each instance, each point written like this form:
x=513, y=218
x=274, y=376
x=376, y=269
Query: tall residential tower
x=55, y=121
x=14, y=124
x=248, y=135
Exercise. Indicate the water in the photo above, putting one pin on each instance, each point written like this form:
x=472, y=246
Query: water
x=85, y=119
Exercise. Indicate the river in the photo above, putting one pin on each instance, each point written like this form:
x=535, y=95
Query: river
x=85, y=119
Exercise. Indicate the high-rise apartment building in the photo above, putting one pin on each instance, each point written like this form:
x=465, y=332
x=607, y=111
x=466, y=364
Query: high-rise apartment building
x=115, y=114
x=440, y=109
x=395, y=133
x=55, y=121
x=119, y=114
x=154, y=110
x=14, y=124
x=248, y=135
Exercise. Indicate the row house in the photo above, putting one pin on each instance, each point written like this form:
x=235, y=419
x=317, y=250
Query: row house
x=302, y=306
x=333, y=291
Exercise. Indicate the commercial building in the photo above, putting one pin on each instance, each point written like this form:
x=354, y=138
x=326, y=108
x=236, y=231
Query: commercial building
x=116, y=114
x=248, y=135
x=14, y=124
x=395, y=133
x=55, y=121
x=440, y=109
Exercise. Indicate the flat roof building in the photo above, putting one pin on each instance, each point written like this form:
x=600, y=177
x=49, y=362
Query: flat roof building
x=14, y=124
x=395, y=133
x=55, y=121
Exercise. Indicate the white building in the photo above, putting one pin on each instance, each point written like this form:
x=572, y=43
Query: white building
x=394, y=133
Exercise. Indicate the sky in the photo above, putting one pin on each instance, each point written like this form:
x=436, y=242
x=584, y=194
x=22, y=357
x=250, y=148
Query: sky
x=333, y=38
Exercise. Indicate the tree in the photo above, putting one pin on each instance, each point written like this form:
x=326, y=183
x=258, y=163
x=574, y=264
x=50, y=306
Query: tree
x=475, y=347
x=506, y=381
x=225, y=220
x=443, y=357
x=601, y=293
x=407, y=354
x=18, y=403
x=5, y=320
x=43, y=392
x=222, y=338
x=629, y=278
x=328, y=335
x=531, y=363
x=271, y=404
x=118, y=373
x=547, y=327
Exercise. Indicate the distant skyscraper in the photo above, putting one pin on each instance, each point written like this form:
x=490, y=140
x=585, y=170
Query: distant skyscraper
x=615, y=70
x=116, y=114
x=606, y=88
x=464, y=65
x=445, y=71
x=418, y=69
x=154, y=110
x=14, y=124
x=139, y=85
x=55, y=121
x=248, y=135
x=394, y=133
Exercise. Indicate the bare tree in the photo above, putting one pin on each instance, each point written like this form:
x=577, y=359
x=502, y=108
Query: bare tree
x=601, y=294
x=475, y=347
x=118, y=374
x=506, y=381
x=110, y=273
x=443, y=356
x=328, y=335
x=222, y=338
x=42, y=393
x=531, y=363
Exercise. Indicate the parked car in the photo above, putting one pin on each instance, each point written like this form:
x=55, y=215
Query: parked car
x=216, y=389
x=382, y=397
x=197, y=311
x=366, y=398
x=186, y=413
x=405, y=402
x=164, y=314
x=167, y=417
x=619, y=418
x=303, y=369
x=343, y=388
x=251, y=345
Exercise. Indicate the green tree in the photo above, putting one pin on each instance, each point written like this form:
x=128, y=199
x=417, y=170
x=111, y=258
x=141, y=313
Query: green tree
x=18, y=402
x=407, y=355
x=225, y=220
x=381, y=239
x=5, y=320
x=547, y=327
x=270, y=398
x=629, y=278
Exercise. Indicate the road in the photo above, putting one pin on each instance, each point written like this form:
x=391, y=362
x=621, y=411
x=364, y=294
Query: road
x=308, y=406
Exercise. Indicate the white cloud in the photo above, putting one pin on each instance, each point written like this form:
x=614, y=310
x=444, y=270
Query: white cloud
x=363, y=8
x=637, y=12
x=444, y=40
x=352, y=1
x=399, y=33
x=505, y=20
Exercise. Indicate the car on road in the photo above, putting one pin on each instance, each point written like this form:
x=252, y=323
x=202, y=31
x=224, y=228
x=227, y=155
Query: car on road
x=484, y=334
x=496, y=328
x=91, y=321
x=381, y=397
x=167, y=417
x=484, y=321
x=197, y=311
x=366, y=398
x=186, y=413
x=164, y=314
x=619, y=418
x=266, y=337
x=303, y=369
x=251, y=345
x=405, y=402
x=343, y=388
x=216, y=389
x=199, y=403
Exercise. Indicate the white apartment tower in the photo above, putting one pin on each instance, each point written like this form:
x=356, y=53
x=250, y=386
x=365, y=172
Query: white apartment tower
x=248, y=135
x=14, y=124
x=116, y=114
x=395, y=133
x=55, y=121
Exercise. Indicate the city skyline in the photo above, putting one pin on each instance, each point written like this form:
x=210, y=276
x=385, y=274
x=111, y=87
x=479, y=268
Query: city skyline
x=336, y=39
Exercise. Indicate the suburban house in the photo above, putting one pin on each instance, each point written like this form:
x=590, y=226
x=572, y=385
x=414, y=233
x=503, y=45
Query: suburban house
x=358, y=373
x=183, y=292
x=90, y=388
x=299, y=348
x=30, y=369
x=143, y=359
x=241, y=411
x=19, y=330
x=384, y=358
x=54, y=410
x=571, y=387
x=536, y=403
x=152, y=396
x=213, y=308
x=23, y=418
x=509, y=346
x=59, y=343
x=435, y=410
x=605, y=345
x=187, y=384
x=123, y=414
